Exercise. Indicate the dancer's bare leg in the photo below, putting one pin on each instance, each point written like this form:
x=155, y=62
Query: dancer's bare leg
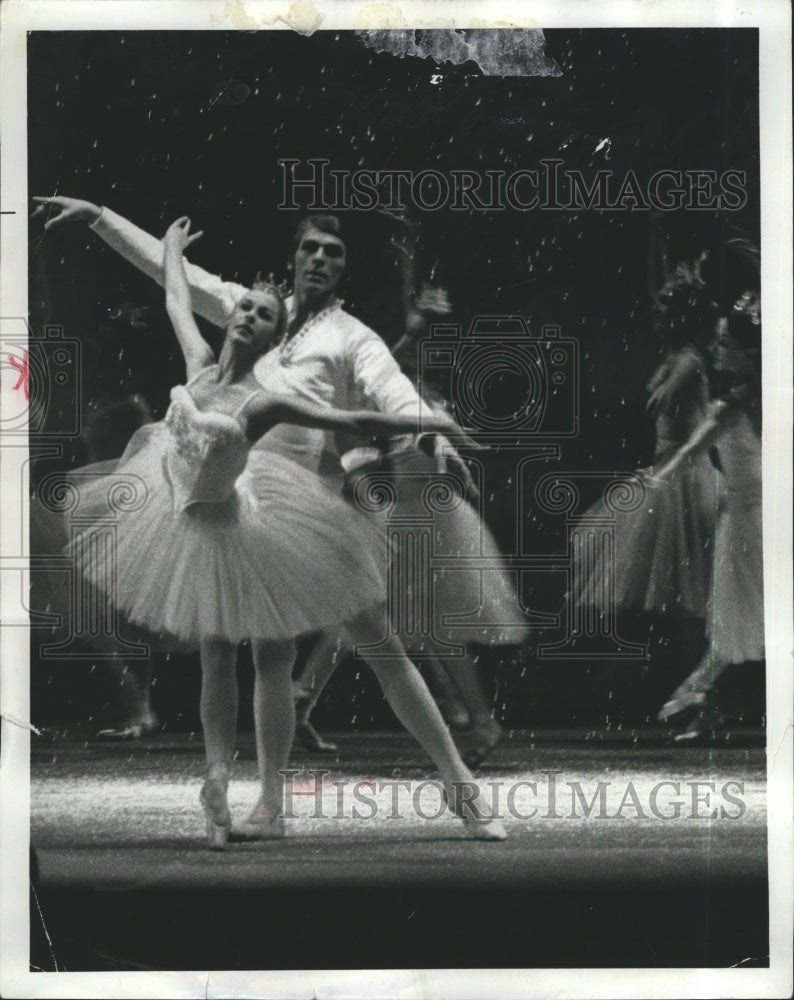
x=135, y=701
x=446, y=693
x=412, y=703
x=317, y=671
x=219, y=699
x=274, y=720
x=486, y=732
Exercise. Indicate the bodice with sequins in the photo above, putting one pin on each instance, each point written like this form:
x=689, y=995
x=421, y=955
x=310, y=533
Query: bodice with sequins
x=206, y=452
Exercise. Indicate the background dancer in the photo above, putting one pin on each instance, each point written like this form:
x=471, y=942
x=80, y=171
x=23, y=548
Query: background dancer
x=735, y=621
x=662, y=559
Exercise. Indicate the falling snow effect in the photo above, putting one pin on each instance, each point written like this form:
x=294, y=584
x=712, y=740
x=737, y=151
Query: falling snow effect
x=158, y=132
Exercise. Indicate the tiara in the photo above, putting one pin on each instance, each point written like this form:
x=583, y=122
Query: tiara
x=281, y=288
x=749, y=304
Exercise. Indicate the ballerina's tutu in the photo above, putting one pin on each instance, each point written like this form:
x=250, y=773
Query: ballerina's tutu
x=664, y=550
x=466, y=604
x=225, y=540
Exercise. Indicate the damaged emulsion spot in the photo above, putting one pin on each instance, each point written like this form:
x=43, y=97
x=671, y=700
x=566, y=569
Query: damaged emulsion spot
x=301, y=16
x=15, y=721
x=497, y=51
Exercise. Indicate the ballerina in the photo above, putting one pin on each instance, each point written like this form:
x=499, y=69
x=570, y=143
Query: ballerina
x=330, y=358
x=663, y=549
x=232, y=541
x=735, y=620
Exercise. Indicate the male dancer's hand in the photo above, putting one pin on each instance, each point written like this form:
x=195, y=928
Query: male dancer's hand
x=69, y=210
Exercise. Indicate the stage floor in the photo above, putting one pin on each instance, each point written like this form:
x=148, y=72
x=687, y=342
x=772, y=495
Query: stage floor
x=118, y=831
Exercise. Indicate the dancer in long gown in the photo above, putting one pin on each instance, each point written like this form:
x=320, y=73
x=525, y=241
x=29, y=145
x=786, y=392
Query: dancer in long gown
x=229, y=541
x=735, y=618
x=663, y=550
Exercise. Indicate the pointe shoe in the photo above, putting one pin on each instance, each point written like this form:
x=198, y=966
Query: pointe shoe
x=683, y=703
x=486, y=739
x=478, y=825
x=306, y=736
x=702, y=727
x=216, y=813
x=260, y=826
x=118, y=734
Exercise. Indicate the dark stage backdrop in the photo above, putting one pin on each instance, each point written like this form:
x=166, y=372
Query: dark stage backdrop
x=162, y=124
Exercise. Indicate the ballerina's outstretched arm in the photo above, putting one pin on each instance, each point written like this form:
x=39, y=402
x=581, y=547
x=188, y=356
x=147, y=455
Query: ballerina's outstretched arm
x=197, y=352
x=707, y=431
x=265, y=410
x=702, y=438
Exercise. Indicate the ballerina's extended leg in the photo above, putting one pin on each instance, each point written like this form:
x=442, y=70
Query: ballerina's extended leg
x=410, y=699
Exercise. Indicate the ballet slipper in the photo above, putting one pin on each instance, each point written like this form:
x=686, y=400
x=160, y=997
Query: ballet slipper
x=133, y=731
x=677, y=705
x=702, y=727
x=260, y=825
x=306, y=736
x=479, y=825
x=216, y=812
x=486, y=737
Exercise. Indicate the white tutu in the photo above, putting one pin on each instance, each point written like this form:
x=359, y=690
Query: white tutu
x=465, y=603
x=280, y=557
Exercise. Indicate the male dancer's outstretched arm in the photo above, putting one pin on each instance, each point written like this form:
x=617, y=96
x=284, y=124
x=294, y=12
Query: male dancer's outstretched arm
x=212, y=297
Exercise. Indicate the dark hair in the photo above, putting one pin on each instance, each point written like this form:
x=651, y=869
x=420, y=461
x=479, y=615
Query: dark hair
x=324, y=221
x=685, y=314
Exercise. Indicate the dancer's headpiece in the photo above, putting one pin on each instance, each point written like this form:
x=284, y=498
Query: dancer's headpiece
x=749, y=304
x=270, y=284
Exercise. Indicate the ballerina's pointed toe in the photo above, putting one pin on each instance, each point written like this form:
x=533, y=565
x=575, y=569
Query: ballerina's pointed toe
x=484, y=828
x=216, y=813
x=479, y=825
x=260, y=826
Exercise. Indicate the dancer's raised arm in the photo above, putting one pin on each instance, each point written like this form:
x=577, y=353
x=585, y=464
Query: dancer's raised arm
x=212, y=297
x=198, y=354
